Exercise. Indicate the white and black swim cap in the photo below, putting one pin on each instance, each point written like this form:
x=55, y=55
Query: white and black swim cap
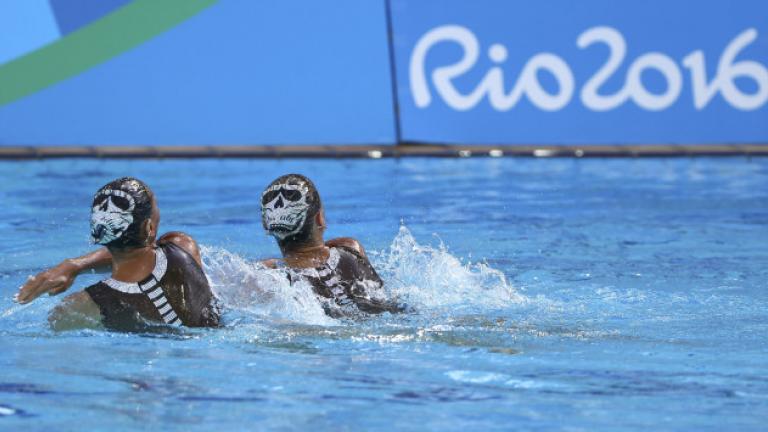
x=288, y=206
x=119, y=208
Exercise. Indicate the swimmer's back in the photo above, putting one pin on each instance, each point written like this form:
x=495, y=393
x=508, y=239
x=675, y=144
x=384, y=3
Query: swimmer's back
x=176, y=293
x=348, y=277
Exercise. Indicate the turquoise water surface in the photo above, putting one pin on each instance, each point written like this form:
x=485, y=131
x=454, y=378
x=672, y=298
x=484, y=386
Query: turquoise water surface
x=546, y=294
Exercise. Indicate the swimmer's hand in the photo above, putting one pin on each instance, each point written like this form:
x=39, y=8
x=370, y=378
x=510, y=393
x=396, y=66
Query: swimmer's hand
x=52, y=281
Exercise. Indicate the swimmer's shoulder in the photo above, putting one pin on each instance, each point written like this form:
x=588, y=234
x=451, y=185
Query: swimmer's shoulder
x=348, y=243
x=353, y=263
x=183, y=241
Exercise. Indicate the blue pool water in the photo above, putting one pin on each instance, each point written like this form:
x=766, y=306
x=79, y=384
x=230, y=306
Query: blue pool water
x=548, y=294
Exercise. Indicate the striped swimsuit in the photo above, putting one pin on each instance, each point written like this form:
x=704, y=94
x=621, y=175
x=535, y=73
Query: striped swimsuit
x=175, y=293
x=349, y=282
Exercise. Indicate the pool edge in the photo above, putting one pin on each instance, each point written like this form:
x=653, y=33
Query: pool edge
x=379, y=151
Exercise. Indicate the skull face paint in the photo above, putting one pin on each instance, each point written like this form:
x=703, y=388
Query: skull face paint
x=284, y=209
x=111, y=216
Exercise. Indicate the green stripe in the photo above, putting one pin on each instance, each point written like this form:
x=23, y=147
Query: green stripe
x=93, y=44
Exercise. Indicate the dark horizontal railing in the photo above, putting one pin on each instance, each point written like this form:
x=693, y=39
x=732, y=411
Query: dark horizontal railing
x=380, y=151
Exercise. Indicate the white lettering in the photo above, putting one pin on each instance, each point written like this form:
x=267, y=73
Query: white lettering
x=442, y=76
x=492, y=84
x=641, y=95
x=618, y=49
x=727, y=72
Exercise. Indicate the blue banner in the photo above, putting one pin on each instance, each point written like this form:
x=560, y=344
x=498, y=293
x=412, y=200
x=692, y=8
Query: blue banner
x=194, y=72
x=582, y=72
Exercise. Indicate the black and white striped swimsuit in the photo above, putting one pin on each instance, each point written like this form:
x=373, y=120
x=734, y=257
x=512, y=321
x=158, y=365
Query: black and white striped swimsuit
x=347, y=279
x=175, y=293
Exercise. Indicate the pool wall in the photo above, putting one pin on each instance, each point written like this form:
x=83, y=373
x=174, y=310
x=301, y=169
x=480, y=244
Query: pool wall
x=128, y=78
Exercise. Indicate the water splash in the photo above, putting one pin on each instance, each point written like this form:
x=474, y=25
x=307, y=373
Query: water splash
x=253, y=290
x=426, y=278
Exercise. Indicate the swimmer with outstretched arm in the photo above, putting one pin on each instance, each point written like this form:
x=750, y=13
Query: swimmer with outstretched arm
x=338, y=269
x=153, y=281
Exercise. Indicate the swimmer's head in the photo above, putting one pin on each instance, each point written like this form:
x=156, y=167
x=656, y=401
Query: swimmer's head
x=124, y=215
x=290, y=206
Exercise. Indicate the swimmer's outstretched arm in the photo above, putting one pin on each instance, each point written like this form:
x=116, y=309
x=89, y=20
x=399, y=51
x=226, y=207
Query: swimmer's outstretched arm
x=58, y=279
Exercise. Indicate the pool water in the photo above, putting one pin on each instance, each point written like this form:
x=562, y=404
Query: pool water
x=563, y=294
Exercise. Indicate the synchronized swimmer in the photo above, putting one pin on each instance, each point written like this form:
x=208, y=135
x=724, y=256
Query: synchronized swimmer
x=161, y=280
x=338, y=269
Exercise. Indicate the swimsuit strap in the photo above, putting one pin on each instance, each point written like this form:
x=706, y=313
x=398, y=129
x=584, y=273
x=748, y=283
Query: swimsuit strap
x=161, y=265
x=151, y=288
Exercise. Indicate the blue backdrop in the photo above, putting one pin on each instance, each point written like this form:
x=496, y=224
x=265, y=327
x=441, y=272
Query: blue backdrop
x=239, y=72
x=593, y=71
x=467, y=72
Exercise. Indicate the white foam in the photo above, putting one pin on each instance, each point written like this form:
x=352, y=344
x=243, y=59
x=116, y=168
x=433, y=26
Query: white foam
x=476, y=377
x=253, y=289
x=423, y=277
x=427, y=277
